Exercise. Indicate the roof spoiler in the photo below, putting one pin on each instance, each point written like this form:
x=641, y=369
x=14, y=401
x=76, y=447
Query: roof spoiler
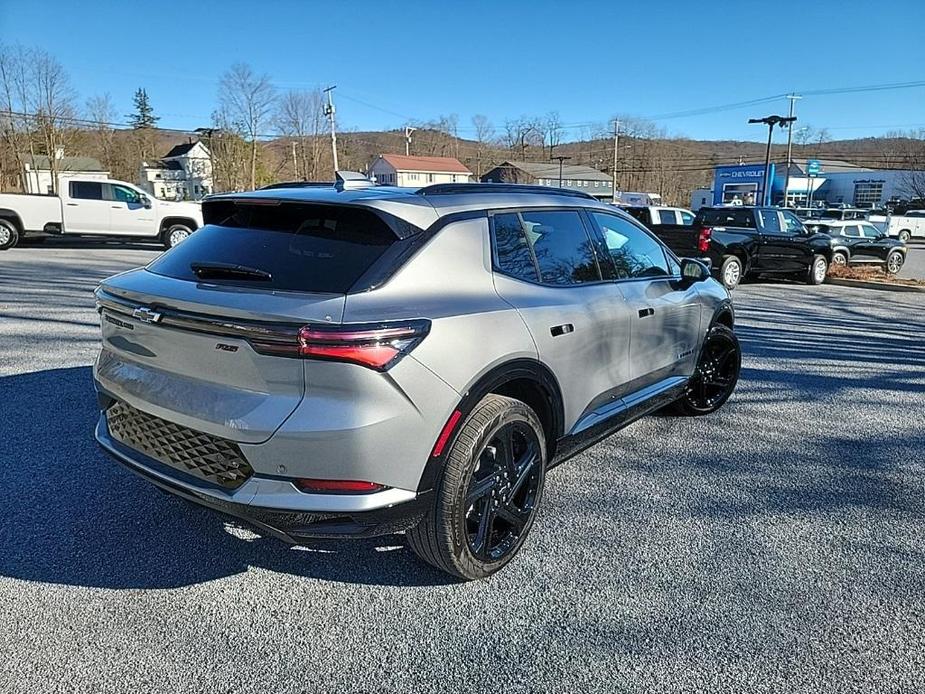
x=350, y=180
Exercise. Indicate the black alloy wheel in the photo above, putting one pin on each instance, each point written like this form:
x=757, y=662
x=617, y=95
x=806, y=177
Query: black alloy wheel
x=503, y=491
x=716, y=375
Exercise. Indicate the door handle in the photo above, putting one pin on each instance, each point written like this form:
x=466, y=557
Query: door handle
x=116, y=207
x=72, y=204
x=563, y=329
x=645, y=312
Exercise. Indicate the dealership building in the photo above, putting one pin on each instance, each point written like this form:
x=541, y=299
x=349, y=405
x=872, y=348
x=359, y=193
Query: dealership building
x=836, y=182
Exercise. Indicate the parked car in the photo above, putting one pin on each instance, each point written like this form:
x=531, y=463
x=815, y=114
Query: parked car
x=95, y=207
x=904, y=227
x=740, y=241
x=861, y=243
x=843, y=213
x=652, y=214
x=355, y=361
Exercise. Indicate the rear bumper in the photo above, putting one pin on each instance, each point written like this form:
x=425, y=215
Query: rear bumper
x=274, y=506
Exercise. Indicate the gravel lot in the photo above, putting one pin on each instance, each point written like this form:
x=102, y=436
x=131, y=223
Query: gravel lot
x=775, y=546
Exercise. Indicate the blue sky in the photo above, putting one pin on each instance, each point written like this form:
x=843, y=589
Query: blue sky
x=396, y=61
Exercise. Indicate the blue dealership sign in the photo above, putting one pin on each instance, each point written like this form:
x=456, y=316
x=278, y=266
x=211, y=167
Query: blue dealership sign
x=741, y=184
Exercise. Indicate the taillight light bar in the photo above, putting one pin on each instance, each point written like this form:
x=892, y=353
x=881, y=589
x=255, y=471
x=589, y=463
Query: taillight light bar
x=373, y=345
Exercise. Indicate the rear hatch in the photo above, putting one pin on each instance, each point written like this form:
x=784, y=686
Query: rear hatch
x=204, y=336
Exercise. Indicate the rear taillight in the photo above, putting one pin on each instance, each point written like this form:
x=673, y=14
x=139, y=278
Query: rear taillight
x=374, y=345
x=703, y=239
x=336, y=486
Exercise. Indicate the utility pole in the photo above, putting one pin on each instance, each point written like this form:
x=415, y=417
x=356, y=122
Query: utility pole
x=561, y=159
x=329, y=112
x=793, y=98
x=616, y=147
x=769, y=121
x=408, y=131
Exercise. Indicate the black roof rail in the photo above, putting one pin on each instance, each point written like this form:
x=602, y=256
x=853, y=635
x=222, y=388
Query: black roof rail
x=460, y=188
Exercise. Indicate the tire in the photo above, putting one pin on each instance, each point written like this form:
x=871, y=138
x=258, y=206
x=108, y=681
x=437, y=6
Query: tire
x=730, y=272
x=477, y=488
x=715, y=377
x=175, y=234
x=817, y=270
x=905, y=236
x=840, y=259
x=9, y=234
x=894, y=262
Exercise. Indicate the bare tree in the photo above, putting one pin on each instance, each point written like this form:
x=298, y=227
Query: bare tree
x=14, y=122
x=246, y=99
x=519, y=134
x=484, y=131
x=299, y=116
x=101, y=113
x=552, y=131
x=53, y=103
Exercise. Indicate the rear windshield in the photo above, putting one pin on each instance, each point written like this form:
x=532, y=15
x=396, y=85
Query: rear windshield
x=291, y=246
x=728, y=217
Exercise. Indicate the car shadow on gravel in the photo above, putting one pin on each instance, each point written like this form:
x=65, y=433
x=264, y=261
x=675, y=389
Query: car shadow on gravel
x=73, y=516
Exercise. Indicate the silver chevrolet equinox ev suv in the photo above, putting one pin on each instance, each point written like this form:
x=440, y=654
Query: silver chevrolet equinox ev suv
x=357, y=360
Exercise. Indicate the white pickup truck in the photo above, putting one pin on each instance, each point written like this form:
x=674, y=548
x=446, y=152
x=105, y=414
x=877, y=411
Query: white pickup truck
x=904, y=227
x=99, y=208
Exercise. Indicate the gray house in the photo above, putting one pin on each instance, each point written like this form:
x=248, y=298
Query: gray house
x=583, y=178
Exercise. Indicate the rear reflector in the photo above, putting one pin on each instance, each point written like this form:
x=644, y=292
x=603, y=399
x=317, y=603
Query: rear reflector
x=342, y=486
x=446, y=433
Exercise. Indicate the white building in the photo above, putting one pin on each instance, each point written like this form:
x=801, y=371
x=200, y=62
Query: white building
x=37, y=170
x=184, y=173
x=401, y=170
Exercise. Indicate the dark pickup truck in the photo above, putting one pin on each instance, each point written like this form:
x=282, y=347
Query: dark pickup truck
x=740, y=241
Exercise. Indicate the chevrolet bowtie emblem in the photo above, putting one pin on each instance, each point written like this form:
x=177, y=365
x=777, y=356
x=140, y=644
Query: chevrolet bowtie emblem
x=146, y=315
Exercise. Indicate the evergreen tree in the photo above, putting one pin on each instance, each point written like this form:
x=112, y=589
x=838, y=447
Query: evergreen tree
x=143, y=117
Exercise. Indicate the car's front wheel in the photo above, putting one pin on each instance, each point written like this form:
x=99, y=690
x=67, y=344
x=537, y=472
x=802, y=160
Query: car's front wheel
x=817, y=270
x=716, y=375
x=488, y=492
x=894, y=262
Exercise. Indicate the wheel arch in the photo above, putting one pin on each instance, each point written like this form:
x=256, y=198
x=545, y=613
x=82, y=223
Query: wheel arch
x=12, y=216
x=166, y=223
x=723, y=314
x=527, y=380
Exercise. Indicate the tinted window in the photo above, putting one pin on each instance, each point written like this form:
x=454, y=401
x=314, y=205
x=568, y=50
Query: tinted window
x=124, y=194
x=86, y=190
x=563, y=251
x=640, y=213
x=850, y=230
x=770, y=222
x=687, y=218
x=728, y=218
x=512, y=252
x=634, y=252
x=311, y=248
x=667, y=217
x=792, y=225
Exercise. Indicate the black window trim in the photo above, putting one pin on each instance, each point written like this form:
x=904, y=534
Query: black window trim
x=496, y=267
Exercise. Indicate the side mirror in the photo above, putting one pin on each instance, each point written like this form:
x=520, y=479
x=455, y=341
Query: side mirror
x=694, y=270
x=146, y=201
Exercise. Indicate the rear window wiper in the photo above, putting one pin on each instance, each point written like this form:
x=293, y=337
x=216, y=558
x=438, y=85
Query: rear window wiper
x=230, y=271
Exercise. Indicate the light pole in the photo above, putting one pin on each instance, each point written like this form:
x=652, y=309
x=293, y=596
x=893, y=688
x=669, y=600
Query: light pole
x=793, y=98
x=329, y=112
x=560, y=160
x=769, y=121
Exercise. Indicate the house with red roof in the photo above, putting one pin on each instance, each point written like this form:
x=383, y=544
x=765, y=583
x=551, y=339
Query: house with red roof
x=410, y=171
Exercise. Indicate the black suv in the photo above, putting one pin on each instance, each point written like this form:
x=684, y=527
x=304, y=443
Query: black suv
x=740, y=241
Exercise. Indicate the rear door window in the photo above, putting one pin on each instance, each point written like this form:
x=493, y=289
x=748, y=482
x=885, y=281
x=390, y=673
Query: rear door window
x=731, y=217
x=770, y=221
x=311, y=248
x=556, y=242
x=667, y=217
x=86, y=190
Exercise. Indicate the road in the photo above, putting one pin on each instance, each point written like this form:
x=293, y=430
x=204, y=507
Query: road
x=774, y=546
x=914, y=268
